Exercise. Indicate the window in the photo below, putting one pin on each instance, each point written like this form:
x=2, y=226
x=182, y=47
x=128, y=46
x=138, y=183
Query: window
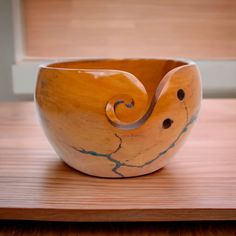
x=200, y=30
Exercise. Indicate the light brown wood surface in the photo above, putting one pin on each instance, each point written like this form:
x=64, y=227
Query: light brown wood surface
x=199, y=29
x=199, y=184
x=118, y=118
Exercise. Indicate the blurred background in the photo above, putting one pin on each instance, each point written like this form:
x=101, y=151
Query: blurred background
x=33, y=32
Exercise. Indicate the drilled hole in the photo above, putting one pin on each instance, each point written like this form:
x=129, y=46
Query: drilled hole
x=167, y=123
x=180, y=94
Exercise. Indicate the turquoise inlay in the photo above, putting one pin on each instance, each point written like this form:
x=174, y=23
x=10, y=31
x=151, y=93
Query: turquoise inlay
x=118, y=164
x=107, y=155
x=192, y=120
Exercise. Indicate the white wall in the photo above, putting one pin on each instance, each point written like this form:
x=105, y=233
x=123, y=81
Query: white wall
x=7, y=53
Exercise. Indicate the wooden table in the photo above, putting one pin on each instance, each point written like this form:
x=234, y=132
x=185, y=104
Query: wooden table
x=199, y=184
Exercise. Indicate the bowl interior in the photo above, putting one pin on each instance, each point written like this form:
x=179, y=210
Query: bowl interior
x=149, y=71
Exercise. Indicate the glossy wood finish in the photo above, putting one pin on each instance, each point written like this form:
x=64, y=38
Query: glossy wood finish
x=199, y=29
x=199, y=184
x=118, y=118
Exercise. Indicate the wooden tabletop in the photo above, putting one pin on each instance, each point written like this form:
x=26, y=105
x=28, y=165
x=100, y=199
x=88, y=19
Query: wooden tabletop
x=199, y=183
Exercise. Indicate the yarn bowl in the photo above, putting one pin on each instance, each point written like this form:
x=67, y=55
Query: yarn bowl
x=118, y=118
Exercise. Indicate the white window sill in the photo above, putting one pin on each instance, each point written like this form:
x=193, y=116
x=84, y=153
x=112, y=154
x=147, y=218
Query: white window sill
x=218, y=77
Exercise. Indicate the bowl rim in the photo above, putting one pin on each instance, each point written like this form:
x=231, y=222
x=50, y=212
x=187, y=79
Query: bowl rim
x=49, y=65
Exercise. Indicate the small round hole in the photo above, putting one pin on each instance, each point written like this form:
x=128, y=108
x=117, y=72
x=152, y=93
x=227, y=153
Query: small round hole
x=180, y=94
x=167, y=123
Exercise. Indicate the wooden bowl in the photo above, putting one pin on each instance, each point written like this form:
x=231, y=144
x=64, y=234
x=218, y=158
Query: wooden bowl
x=118, y=118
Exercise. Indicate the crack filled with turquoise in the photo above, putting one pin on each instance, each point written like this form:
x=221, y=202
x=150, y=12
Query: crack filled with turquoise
x=192, y=120
x=118, y=164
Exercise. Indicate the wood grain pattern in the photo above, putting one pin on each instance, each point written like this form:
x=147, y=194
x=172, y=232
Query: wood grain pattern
x=199, y=184
x=118, y=118
x=199, y=29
